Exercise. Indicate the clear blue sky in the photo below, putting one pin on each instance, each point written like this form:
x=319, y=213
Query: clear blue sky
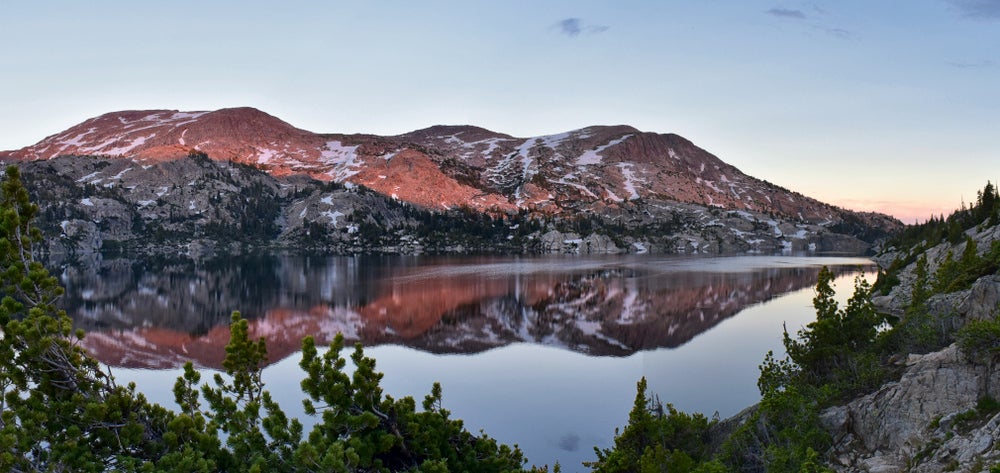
x=869, y=104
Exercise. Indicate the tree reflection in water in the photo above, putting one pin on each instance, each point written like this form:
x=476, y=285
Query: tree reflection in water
x=161, y=313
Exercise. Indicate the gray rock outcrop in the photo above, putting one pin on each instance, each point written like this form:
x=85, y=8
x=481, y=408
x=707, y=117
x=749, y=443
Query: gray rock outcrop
x=909, y=425
x=198, y=206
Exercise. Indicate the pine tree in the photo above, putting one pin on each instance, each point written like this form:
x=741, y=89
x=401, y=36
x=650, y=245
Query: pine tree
x=920, y=291
x=59, y=410
x=832, y=350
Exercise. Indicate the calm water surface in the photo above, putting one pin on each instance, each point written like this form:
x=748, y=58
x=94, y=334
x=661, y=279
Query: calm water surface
x=541, y=351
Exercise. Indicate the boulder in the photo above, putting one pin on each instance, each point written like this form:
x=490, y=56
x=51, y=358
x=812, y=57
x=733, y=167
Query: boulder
x=983, y=301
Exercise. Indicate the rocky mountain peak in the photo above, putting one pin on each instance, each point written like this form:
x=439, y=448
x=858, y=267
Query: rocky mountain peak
x=229, y=134
x=464, y=133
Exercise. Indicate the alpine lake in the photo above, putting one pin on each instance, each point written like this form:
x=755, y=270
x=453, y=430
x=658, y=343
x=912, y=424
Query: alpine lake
x=543, y=352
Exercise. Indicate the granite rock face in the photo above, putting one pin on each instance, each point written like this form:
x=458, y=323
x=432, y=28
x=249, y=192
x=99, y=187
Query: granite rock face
x=198, y=207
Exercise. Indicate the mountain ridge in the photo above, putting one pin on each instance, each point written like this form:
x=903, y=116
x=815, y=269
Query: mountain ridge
x=596, y=166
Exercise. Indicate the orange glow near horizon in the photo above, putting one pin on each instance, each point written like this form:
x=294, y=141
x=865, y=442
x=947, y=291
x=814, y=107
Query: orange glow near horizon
x=908, y=212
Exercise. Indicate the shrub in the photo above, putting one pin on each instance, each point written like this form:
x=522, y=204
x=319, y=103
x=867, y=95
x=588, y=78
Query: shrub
x=658, y=438
x=979, y=340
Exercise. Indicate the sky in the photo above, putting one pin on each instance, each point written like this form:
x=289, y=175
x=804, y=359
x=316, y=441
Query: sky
x=884, y=105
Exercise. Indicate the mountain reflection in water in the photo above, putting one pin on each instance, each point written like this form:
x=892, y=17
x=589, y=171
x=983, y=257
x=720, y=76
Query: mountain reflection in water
x=160, y=314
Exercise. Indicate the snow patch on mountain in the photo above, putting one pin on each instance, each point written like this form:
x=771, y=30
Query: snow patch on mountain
x=183, y=118
x=90, y=178
x=553, y=141
x=524, y=152
x=264, y=156
x=594, y=156
x=628, y=174
x=491, y=145
x=471, y=149
x=708, y=184
x=76, y=140
x=582, y=188
x=343, y=160
x=333, y=216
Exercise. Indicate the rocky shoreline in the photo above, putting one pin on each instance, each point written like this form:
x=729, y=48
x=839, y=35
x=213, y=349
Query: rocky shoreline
x=913, y=424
